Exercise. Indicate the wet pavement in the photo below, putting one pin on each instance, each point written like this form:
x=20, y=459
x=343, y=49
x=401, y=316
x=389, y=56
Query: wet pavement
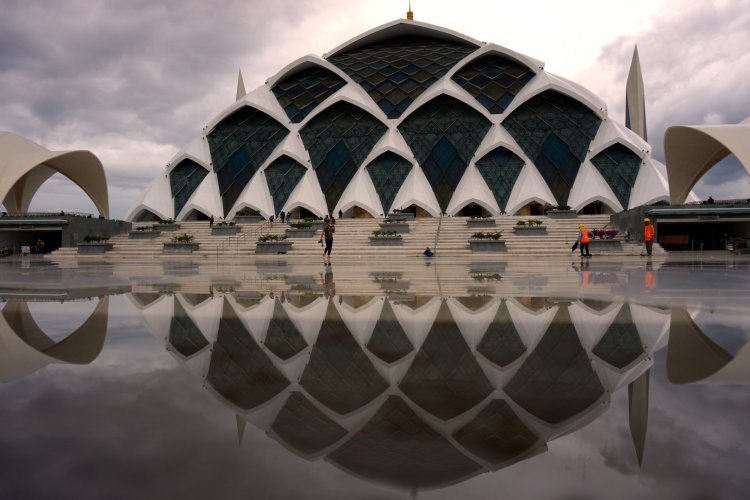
x=521, y=378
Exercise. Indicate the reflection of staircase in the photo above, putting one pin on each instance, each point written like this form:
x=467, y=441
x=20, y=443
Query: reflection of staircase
x=351, y=240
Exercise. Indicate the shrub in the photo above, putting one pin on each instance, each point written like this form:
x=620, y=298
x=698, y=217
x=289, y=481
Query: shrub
x=480, y=216
x=247, y=211
x=271, y=237
x=225, y=223
x=183, y=238
x=605, y=233
x=301, y=225
x=95, y=238
x=146, y=228
x=487, y=236
x=166, y=221
x=521, y=223
x=535, y=222
x=378, y=233
x=561, y=207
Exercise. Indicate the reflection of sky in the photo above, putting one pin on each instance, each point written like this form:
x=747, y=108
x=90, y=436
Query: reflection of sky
x=135, y=424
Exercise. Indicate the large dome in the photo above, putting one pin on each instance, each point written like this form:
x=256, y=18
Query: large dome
x=408, y=114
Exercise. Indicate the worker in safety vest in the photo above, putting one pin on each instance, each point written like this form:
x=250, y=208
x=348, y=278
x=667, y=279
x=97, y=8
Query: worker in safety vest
x=648, y=235
x=583, y=239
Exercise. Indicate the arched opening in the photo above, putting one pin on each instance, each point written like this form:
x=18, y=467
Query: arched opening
x=195, y=215
x=146, y=215
x=473, y=210
x=596, y=208
x=531, y=209
x=726, y=181
x=415, y=210
x=355, y=212
x=60, y=193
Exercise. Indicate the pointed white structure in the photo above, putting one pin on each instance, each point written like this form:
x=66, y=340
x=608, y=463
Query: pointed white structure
x=240, y=86
x=635, y=98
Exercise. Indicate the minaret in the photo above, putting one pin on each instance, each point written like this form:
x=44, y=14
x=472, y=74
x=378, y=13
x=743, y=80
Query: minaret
x=240, y=87
x=635, y=99
x=409, y=13
x=638, y=390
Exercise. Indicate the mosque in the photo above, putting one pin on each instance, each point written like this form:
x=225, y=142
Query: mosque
x=412, y=117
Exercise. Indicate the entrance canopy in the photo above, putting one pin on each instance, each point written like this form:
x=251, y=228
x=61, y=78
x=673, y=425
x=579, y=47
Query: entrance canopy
x=25, y=166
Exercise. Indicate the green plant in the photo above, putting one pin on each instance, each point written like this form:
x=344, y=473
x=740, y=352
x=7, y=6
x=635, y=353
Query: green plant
x=166, y=221
x=535, y=222
x=480, y=216
x=225, y=223
x=95, y=238
x=183, y=238
x=312, y=219
x=146, y=228
x=247, y=211
x=388, y=220
x=487, y=236
x=301, y=225
x=561, y=207
x=271, y=237
x=521, y=223
x=378, y=233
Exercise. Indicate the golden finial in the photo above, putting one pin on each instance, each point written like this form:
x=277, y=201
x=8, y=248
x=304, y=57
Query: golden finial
x=409, y=13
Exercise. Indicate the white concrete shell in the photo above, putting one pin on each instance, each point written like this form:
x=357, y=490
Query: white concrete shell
x=692, y=150
x=530, y=186
x=25, y=166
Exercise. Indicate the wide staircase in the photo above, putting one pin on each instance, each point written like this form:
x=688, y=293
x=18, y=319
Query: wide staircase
x=351, y=240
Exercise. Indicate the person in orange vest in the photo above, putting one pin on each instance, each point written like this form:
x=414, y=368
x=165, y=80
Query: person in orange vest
x=648, y=235
x=583, y=239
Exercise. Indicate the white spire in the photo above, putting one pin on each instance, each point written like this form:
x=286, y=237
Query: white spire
x=240, y=87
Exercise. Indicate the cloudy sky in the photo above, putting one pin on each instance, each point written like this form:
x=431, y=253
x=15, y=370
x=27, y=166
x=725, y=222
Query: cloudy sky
x=133, y=81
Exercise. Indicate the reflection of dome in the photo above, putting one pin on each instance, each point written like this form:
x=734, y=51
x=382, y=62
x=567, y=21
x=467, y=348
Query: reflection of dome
x=25, y=348
x=417, y=397
x=408, y=114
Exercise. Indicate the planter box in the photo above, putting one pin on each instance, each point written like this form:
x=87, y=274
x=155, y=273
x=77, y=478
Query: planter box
x=180, y=247
x=530, y=231
x=399, y=227
x=301, y=233
x=94, y=248
x=225, y=230
x=273, y=246
x=487, y=245
x=401, y=216
x=562, y=214
x=247, y=219
x=386, y=241
x=605, y=245
x=168, y=227
x=480, y=223
x=143, y=235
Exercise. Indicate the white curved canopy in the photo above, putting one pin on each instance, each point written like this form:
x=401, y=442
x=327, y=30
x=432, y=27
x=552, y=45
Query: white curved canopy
x=25, y=166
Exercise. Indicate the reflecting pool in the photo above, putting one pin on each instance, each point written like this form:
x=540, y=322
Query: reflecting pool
x=279, y=379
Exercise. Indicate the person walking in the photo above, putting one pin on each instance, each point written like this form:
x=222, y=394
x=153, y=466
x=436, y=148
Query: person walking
x=583, y=239
x=327, y=236
x=648, y=235
x=211, y=222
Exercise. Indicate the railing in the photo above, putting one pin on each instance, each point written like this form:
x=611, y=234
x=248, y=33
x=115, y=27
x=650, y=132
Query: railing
x=242, y=238
x=437, y=233
x=692, y=245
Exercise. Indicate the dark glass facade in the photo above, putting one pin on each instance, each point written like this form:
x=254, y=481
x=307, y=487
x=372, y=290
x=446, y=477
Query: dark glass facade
x=303, y=91
x=388, y=172
x=184, y=179
x=619, y=166
x=500, y=168
x=282, y=176
x=493, y=80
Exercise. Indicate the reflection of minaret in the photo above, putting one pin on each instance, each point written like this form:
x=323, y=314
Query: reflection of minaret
x=635, y=99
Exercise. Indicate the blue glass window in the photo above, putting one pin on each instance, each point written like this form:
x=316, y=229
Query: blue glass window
x=501, y=343
x=184, y=336
x=493, y=80
x=339, y=140
x=445, y=378
x=184, y=179
x=621, y=345
x=304, y=427
x=239, y=369
x=395, y=72
x=555, y=132
x=619, y=166
x=303, y=91
x=282, y=338
x=556, y=381
x=444, y=134
x=282, y=176
x=388, y=172
x=500, y=168
x=389, y=341
x=239, y=145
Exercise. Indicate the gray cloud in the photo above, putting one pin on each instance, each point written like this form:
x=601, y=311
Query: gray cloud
x=695, y=69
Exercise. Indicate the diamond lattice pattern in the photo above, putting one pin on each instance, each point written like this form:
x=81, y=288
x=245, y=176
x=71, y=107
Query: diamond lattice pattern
x=444, y=134
x=555, y=132
x=397, y=71
x=493, y=80
x=239, y=145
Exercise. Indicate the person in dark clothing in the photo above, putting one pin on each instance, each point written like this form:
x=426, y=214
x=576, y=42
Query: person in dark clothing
x=327, y=236
x=211, y=222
